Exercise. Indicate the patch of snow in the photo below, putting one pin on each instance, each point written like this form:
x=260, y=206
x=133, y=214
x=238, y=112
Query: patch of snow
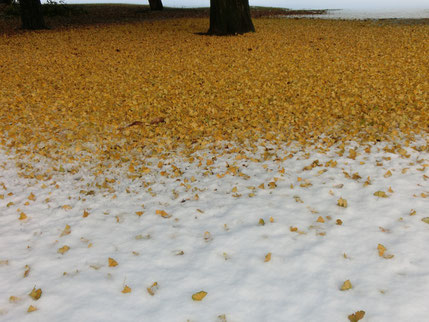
x=212, y=239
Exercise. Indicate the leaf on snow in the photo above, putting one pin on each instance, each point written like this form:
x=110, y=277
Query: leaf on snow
x=199, y=296
x=357, y=316
x=346, y=286
x=153, y=288
x=112, y=262
x=66, y=231
x=63, y=249
x=35, y=294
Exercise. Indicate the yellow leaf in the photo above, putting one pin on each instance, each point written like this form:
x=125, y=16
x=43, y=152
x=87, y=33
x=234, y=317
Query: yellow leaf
x=261, y=222
x=126, y=289
x=27, y=270
x=112, y=262
x=267, y=257
x=162, y=213
x=271, y=219
x=66, y=231
x=320, y=219
x=352, y=154
x=32, y=197
x=13, y=299
x=272, y=185
x=357, y=316
x=139, y=213
x=85, y=214
x=380, y=194
x=31, y=308
x=63, y=249
x=342, y=203
x=425, y=220
x=67, y=207
x=388, y=174
x=346, y=286
x=22, y=216
x=199, y=296
x=35, y=294
x=381, y=250
x=153, y=288
x=412, y=212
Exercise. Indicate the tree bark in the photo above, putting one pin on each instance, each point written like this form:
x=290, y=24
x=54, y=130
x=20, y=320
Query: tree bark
x=156, y=5
x=31, y=14
x=230, y=17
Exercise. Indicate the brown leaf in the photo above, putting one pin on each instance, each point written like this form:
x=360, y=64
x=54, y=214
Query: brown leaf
x=35, y=294
x=357, y=316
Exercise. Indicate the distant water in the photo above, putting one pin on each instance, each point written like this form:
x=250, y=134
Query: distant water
x=351, y=14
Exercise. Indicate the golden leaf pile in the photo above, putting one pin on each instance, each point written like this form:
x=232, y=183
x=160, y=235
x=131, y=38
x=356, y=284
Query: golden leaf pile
x=105, y=86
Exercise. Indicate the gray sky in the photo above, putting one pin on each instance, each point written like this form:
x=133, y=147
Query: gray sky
x=317, y=4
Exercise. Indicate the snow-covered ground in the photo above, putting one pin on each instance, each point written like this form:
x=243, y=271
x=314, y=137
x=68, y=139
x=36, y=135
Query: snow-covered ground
x=269, y=235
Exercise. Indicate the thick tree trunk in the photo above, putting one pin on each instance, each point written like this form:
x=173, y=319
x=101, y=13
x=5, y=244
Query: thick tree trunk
x=31, y=14
x=230, y=17
x=156, y=5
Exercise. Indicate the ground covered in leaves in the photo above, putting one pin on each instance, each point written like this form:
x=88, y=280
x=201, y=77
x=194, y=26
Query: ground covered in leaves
x=147, y=165
x=126, y=87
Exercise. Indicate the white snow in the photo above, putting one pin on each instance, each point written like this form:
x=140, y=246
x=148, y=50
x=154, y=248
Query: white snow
x=216, y=243
x=360, y=14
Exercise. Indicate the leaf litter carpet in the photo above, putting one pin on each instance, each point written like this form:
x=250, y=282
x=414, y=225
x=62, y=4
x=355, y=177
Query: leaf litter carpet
x=150, y=173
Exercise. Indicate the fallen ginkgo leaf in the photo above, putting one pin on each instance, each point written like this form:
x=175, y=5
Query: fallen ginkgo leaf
x=357, y=316
x=63, y=249
x=35, y=294
x=162, y=213
x=112, y=262
x=126, y=289
x=346, y=286
x=199, y=296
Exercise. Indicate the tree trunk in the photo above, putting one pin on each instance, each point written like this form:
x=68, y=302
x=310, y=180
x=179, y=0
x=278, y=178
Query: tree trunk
x=230, y=17
x=156, y=5
x=31, y=14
